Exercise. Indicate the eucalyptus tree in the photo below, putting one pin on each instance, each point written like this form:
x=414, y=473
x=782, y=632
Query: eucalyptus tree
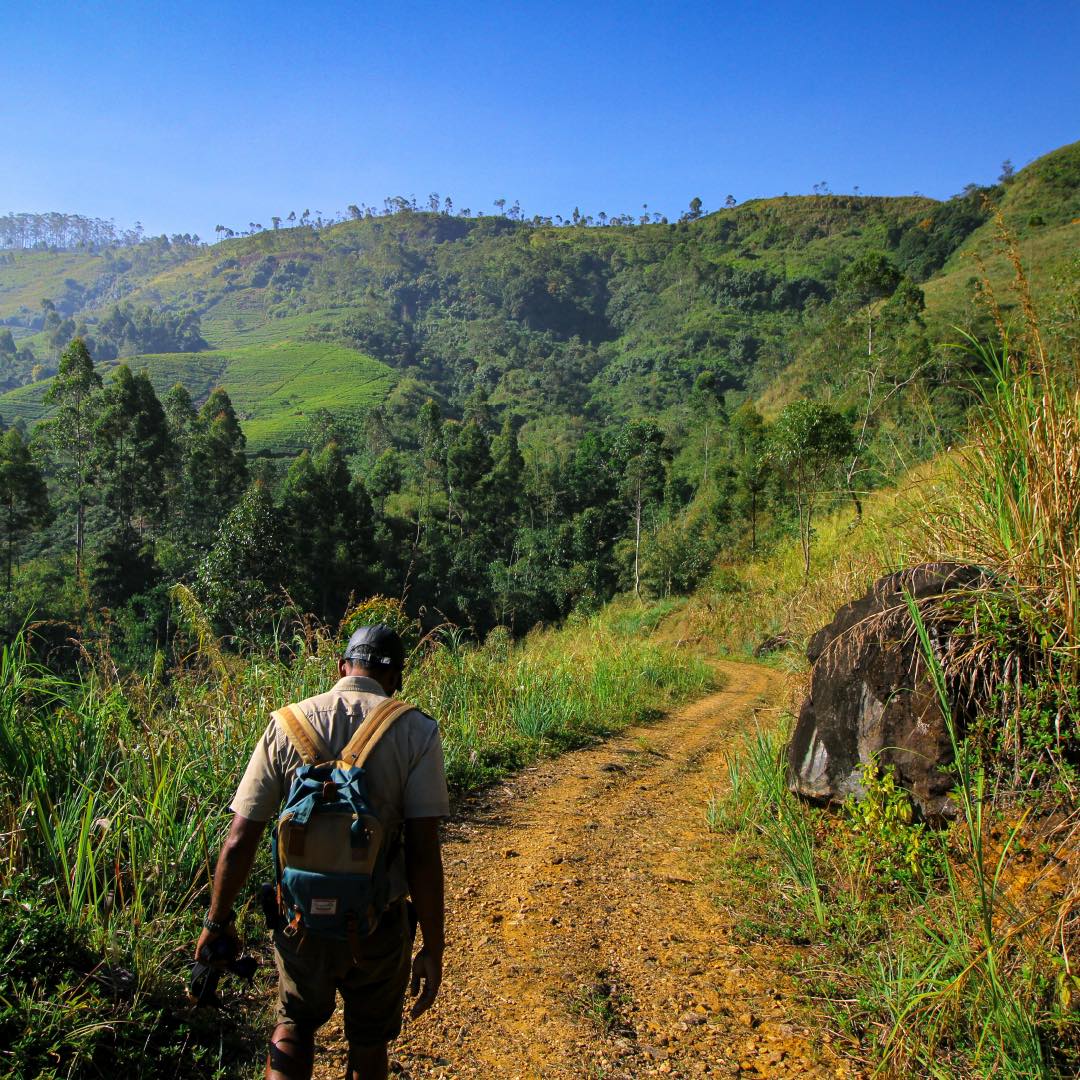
x=130, y=453
x=246, y=566
x=24, y=499
x=639, y=458
x=68, y=433
x=330, y=532
x=130, y=456
x=869, y=278
x=808, y=442
x=751, y=464
x=215, y=472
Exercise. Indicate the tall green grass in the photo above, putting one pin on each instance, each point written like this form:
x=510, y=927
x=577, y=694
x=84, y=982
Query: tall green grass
x=1012, y=504
x=114, y=795
x=968, y=976
x=1016, y=504
x=501, y=705
x=758, y=799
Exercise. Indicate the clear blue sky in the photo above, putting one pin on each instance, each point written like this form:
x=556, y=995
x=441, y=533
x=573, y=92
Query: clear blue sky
x=187, y=115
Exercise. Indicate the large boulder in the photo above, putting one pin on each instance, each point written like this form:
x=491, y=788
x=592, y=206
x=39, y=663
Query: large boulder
x=871, y=696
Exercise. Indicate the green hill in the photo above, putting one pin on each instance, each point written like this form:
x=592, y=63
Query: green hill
x=1041, y=207
x=549, y=323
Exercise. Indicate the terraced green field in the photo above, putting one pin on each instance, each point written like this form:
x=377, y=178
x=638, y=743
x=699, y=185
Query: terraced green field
x=231, y=324
x=275, y=387
x=25, y=403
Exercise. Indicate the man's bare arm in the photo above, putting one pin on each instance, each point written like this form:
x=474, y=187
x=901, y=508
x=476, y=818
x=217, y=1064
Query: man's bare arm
x=424, y=870
x=233, y=867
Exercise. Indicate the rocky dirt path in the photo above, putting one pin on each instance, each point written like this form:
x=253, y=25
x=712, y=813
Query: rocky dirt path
x=582, y=941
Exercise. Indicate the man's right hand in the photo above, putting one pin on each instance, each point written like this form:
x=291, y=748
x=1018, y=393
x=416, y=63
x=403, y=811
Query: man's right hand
x=423, y=867
x=205, y=946
x=426, y=972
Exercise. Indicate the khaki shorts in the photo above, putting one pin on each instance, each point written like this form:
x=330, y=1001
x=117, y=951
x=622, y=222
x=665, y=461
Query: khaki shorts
x=312, y=970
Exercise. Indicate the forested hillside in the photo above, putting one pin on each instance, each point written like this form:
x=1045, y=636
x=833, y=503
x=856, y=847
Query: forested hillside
x=215, y=461
x=500, y=420
x=616, y=319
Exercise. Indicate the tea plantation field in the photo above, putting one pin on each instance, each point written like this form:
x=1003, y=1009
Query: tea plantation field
x=275, y=386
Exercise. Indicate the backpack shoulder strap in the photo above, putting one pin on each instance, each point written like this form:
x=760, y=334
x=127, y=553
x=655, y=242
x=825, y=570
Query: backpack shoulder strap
x=306, y=741
x=376, y=724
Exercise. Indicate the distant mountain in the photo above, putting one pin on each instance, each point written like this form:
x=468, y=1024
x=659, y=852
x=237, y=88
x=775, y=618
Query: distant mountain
x=548, y=323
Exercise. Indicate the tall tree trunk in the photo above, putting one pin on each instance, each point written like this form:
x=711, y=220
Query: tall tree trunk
x=637, y=543
x=10, y=542
x=857, y=501
x=806, y=545
x=415, y=546
x=705, y=471
x=80, y=511
x=802, y=508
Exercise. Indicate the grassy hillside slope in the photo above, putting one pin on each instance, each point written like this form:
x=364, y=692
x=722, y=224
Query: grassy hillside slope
x=1041, y=207
x=32, y=276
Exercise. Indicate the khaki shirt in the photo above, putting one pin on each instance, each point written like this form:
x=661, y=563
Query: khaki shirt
x=405, y=775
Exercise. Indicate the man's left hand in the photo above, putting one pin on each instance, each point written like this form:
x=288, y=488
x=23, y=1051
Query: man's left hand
x=426, y=971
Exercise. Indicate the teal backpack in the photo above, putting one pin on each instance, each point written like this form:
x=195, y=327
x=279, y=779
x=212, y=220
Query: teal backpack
x=331, y=852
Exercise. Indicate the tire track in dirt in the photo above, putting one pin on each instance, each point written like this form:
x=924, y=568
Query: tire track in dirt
x=582, y=941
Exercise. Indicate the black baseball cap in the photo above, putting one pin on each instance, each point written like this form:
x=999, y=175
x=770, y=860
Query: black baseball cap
x=375, y=646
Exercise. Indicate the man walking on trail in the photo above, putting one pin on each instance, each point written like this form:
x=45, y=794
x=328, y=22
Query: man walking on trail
x=406, y=785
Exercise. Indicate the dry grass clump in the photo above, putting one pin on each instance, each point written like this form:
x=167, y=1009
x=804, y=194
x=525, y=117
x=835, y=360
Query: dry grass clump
x=1015, y=502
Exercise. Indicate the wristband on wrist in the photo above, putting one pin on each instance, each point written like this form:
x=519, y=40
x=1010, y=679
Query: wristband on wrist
x=218, y=926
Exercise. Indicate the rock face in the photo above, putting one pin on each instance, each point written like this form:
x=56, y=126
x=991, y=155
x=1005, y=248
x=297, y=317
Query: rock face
x=871, y=696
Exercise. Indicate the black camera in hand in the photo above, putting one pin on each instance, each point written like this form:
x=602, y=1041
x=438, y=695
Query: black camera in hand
x=217, y=957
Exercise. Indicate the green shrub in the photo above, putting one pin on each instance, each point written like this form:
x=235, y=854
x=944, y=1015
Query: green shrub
x=886, y=843
x=69, y=1011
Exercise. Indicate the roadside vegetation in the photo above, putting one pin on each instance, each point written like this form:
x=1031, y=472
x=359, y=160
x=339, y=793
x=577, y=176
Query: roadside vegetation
x=113, y=801
x=941, y=950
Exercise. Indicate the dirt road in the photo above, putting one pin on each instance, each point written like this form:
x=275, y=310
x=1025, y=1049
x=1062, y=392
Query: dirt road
x=582, y=938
